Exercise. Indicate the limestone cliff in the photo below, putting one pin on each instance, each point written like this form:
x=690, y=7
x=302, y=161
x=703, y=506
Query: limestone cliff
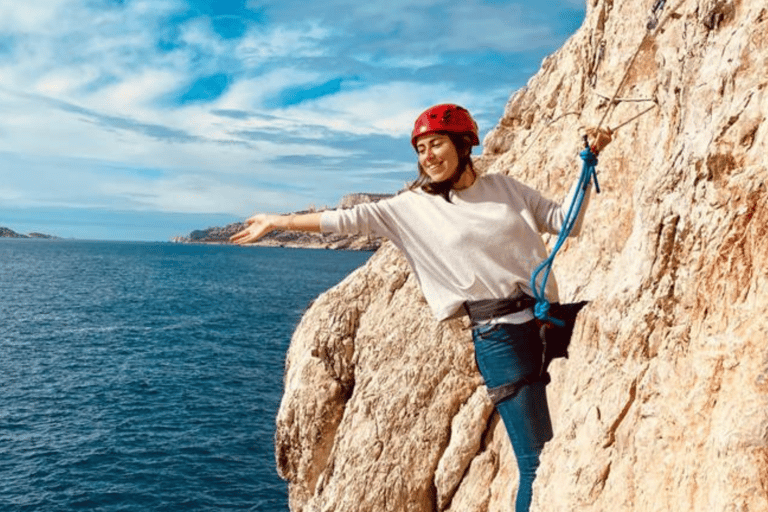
x=663, y=403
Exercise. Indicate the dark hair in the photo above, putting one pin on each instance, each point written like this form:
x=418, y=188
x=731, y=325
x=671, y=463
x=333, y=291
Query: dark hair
x=463, y=145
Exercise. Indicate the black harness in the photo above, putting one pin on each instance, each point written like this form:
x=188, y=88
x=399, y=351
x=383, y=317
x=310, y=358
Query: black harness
x=554, y=339
x=481, y=311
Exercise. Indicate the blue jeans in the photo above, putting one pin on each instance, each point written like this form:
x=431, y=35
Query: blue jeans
x=505, y=353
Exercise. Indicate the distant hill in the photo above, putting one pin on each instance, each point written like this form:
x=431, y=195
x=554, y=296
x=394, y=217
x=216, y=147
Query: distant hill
x=9, y=233
x=295, y=238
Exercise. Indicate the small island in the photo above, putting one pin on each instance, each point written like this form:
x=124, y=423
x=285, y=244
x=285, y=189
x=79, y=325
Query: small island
x=220, y=235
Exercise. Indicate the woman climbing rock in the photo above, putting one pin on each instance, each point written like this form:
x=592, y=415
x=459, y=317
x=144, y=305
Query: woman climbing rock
x=473, y=241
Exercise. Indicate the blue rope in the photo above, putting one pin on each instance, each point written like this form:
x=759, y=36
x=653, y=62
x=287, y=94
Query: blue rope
x=588, y=173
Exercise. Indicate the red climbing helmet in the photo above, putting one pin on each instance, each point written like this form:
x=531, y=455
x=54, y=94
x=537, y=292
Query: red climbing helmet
x=445, y=118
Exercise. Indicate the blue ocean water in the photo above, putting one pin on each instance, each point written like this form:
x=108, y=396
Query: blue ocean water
x=147, y=376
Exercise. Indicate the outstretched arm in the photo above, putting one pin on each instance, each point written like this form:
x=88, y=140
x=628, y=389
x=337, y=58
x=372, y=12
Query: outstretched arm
x=261, y=224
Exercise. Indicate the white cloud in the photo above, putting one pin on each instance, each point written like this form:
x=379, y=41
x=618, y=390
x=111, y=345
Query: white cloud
x=198, y=194
x=295, y=40
x=501, y=28
x=384, y=108
x=63, y=82
x=250, y=93
x=198, y=33
x=136, y=93
x=388, y=108
x=70, y=46
x=431, y=26
x=399, y=61
x=30, y=17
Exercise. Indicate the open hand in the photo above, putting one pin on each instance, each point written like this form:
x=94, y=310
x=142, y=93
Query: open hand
x=256, y=227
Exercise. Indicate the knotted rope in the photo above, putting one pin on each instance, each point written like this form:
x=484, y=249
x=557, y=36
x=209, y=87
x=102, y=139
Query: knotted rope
x=588, y=174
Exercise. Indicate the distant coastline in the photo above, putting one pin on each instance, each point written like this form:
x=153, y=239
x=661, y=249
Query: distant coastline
x=220, y=235
x=9, y=233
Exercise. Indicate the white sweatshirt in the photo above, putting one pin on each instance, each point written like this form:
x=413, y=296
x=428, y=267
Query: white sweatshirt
x=485, y=244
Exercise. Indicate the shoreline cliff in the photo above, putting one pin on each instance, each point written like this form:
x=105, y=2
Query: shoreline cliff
x=663, y=403
x=9, y=233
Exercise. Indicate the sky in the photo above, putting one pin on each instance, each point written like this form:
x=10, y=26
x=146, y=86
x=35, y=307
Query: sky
x=147, y=119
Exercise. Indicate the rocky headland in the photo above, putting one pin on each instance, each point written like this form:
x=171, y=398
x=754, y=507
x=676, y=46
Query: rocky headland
x=9, y=233
x=663, y=403
x=293, y=238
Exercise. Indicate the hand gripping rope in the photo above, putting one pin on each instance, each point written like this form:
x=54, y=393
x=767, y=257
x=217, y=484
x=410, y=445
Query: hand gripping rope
x=588, y=173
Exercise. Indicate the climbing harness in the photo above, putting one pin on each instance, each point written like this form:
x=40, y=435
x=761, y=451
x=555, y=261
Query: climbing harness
x=555, y=341
x=481, y=311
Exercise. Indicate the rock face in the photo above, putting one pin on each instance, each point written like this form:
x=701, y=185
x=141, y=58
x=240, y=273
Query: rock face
x=663, y=403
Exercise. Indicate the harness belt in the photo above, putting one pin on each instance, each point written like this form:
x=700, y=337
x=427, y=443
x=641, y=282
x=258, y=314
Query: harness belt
x=480, y=311
x=554, y=339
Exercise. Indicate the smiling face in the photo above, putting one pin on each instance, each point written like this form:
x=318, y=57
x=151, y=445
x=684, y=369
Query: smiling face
x=437, y=156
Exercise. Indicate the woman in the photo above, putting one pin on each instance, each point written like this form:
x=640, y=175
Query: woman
x=473, y=242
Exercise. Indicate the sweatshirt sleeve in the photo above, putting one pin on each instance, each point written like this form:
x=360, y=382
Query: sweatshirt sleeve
x=550, y=215
x=362, y=219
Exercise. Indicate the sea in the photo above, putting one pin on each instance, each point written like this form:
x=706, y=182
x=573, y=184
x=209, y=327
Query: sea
x=147, y=376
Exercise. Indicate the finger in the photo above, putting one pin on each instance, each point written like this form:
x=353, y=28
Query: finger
x=239, y=236
x=243, y=240
x=251, y=234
